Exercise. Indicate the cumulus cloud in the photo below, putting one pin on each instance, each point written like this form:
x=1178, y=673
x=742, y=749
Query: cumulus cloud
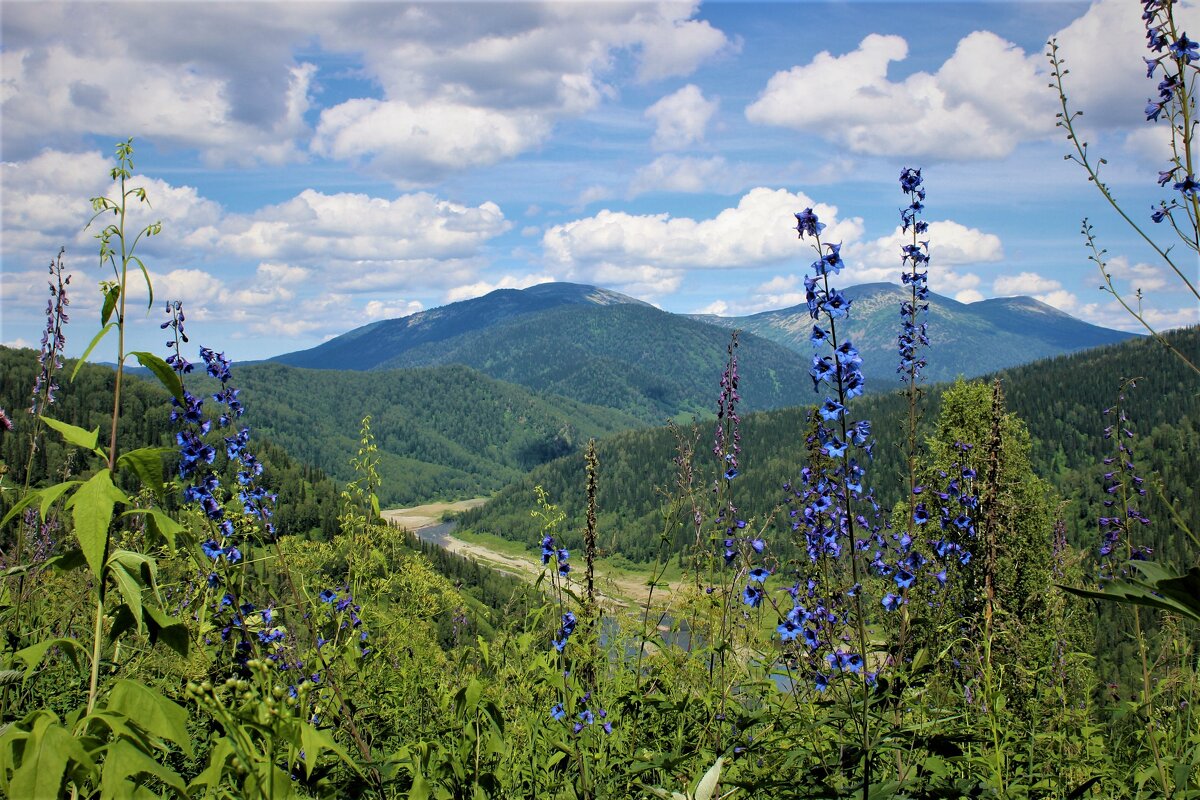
x=671, y=173
x=77, y=70
x=680, y=118
x=1025, y=283
x=985, y=99
x=615, y=247
x=1112, y=91
x=45, y=205
x=457, y=85
x=951, y=244
x=480, y=288
x=418, y=143
x=391, y=309
x=369, y=233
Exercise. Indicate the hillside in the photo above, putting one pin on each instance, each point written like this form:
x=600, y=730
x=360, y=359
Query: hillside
x=636, y=358
x=370, y=346
x=970, y=338
x=443, y=432
x=1059, y=399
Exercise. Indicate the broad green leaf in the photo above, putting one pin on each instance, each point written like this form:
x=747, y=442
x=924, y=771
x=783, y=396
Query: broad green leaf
x=26, y=501
x=110, y=303
x=73, y=434
x=32, y=656
x=708, y=784
x=95, y=341
x=92, y=509
x=44, y=763
x=131, y=590
x=147, y=464
x=218, y=757
x=151, y=711
x=171, y=631
x=162, y=370
x=275, y=783
x=51, y=494
x=122, y=621
x=160, y=524
x=314, y=742
x=124, y=760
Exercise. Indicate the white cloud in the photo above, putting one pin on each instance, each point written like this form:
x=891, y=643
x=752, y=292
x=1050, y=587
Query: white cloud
x=480, y=288
x=45, y=205
x=670, y=173
x=1111, y=90
x=314, y=228
x=680, y=118
x=391, y=309
x=1025, y=283
x=753, y=233
x=458, y=85
x=594, y=194
x=950, y=244
x=985, y=99
x=418, y=143
x=1147, y=277
x=968, y=296
x=718, y=307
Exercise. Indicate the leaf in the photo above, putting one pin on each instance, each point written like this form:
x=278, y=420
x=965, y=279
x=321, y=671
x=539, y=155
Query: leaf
x=152, y=711
x=32, y=656
x=73, y=434
x=166, y=376
x=131, y=590
x=51, y=494
x=1161, y=589
x=95, y=341
x=708, y=784
x=92, y=508
x=146, y=275
x=110, y=303
x=124, y=760
x=218, y=757
x=171, y=631
x=147, y=464
x=19, y=506
x=314, y=741
x=158, y=524
x=49, y=747
x=8, y=676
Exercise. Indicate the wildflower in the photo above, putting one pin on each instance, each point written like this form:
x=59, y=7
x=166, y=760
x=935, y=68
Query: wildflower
x=557, y=712
x=808, y=224
x=53, y=339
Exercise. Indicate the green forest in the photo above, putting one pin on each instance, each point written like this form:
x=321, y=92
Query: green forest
x=949, y=591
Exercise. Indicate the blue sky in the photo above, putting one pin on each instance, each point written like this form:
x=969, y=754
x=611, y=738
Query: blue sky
x=317, y=166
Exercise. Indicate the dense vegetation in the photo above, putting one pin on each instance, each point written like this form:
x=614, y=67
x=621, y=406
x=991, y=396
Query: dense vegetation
x=635, y=358
x=165, y=637
x=971, y=338
x=308, y=498
x=1063, y=415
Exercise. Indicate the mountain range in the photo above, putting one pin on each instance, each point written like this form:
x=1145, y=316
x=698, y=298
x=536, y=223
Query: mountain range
x=604, y=348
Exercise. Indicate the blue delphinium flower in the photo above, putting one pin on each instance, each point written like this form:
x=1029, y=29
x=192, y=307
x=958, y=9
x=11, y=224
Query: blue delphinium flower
x=54, y=340
x=1122, y=488
x=915, y=260
x=823, y=499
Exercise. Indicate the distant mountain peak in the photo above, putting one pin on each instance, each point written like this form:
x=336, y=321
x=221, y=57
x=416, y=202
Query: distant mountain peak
x=380, y=341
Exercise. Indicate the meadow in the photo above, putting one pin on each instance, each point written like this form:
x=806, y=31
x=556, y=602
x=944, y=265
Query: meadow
x=188, y=612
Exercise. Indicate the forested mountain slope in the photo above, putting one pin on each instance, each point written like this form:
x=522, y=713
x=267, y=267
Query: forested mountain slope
x=970, y=339
x=1060, y=400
